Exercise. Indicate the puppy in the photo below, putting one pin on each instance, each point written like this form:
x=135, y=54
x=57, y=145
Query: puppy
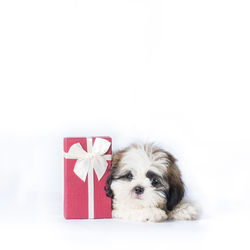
x=145, y=185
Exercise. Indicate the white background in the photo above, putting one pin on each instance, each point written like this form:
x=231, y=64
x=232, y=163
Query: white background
x=173, y=72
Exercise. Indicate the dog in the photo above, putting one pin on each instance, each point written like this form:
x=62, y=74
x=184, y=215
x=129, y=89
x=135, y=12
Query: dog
x=145, y=184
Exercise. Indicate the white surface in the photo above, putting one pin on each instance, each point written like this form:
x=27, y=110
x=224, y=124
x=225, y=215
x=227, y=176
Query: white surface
x=174, y=72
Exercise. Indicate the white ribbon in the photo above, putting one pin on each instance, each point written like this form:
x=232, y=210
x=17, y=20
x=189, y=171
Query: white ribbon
x=94, y=159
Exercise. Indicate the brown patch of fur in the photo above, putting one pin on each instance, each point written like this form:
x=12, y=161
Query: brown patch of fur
x=116, y=158
x=157, y=150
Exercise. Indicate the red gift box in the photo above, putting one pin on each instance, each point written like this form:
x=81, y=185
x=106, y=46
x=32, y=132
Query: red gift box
x=86, y=164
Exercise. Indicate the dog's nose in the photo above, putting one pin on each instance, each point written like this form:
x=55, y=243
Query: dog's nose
x=139, y=189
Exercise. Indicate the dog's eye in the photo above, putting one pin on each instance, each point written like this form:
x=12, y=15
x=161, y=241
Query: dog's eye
x=154, y=182
x=129, y=176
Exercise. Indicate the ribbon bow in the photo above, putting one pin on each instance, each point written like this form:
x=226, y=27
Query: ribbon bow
x=94, y=158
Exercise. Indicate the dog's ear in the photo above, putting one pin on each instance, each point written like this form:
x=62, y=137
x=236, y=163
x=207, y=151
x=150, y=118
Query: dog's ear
x=115, y=162
x=176, y=187
x=107, y=188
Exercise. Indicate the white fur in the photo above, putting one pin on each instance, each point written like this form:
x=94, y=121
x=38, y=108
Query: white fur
x=150, y=214
x=184, y=211
x=149, y=205
x=136, y=161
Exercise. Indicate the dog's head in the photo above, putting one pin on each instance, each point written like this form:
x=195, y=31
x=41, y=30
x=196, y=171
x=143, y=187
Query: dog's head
x=144, y=176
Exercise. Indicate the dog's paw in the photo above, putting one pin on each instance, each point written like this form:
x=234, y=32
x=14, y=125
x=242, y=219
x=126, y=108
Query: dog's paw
x=154, y=215
x=141, y=215
x=184, y=211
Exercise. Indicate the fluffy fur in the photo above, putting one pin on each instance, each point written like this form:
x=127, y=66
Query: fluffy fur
x=145, y=185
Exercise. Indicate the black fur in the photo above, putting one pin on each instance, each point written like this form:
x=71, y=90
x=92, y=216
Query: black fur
x=107, y=188
x=114, y=164
x=174, y=194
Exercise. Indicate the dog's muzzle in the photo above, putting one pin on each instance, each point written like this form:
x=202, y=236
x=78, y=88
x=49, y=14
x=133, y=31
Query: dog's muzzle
x=138, y=190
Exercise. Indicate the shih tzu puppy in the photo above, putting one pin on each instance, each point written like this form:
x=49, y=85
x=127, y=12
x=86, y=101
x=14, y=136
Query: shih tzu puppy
x=145, y=185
